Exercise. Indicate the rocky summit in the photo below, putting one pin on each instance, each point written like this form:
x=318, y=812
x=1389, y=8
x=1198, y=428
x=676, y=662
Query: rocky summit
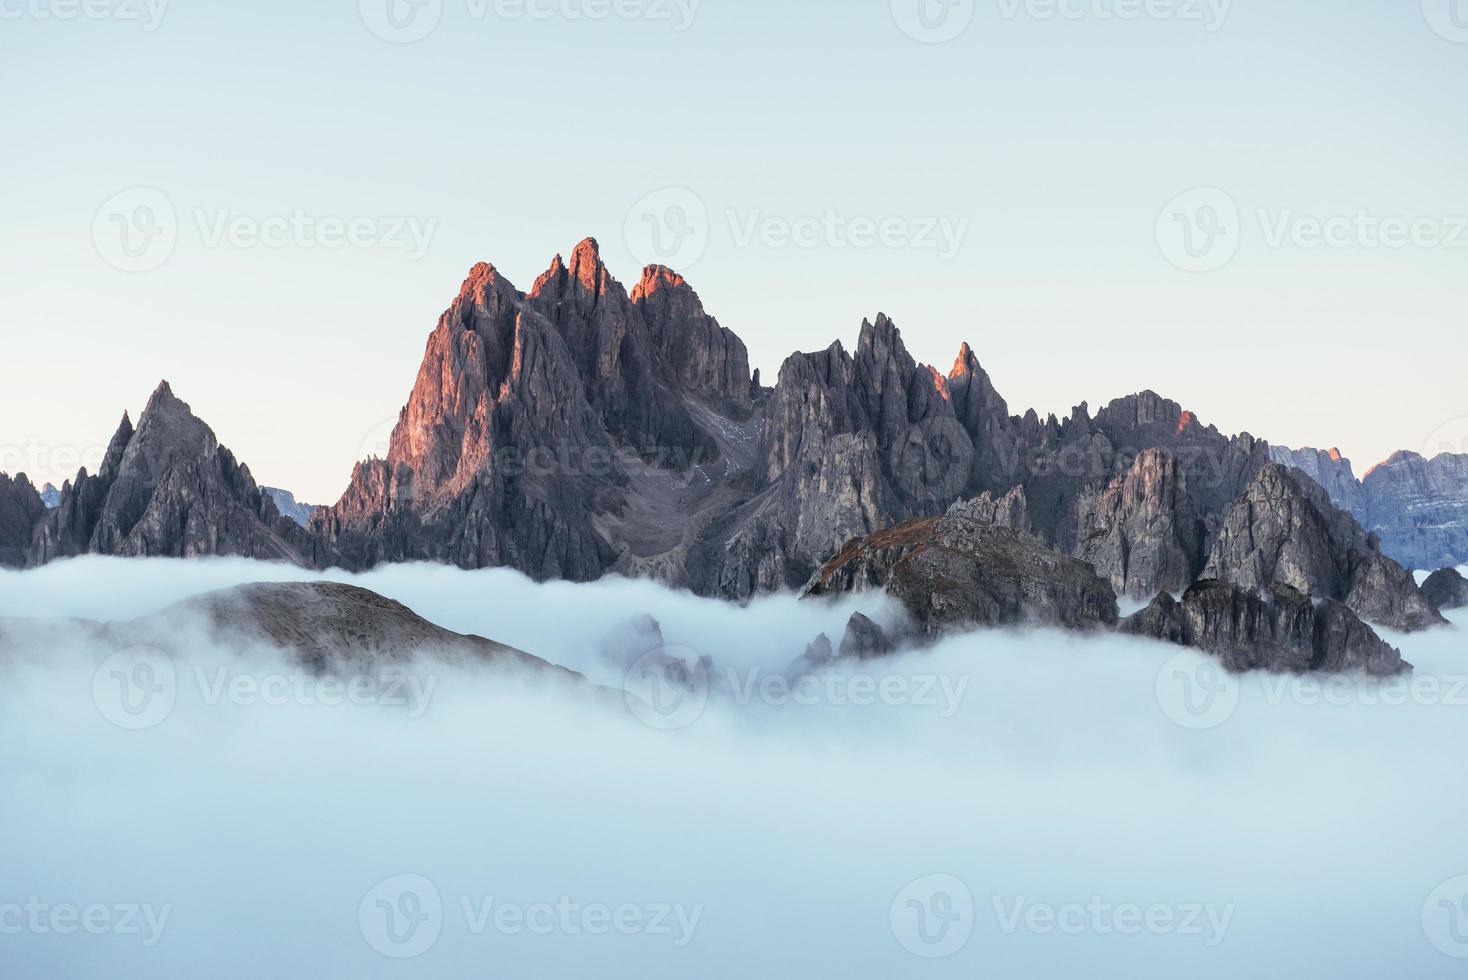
x=21, y=509
x=167, y=489
x=951, y=573
x=324, y=627
x=1284, y=530
x=1277, y=629
x=1446, y=588
x=330, y=626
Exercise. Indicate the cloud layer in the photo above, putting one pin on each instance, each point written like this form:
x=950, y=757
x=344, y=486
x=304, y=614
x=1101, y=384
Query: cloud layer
x=1008, y=804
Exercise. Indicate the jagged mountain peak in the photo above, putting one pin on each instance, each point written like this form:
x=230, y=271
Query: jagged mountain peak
x=167, y=428
x=483, y=279
x=967, y=364
x=1284, y=528
x=1396, y=459
x=656, y=278
x=166, y=488
x=883, y=327
x=585, y=269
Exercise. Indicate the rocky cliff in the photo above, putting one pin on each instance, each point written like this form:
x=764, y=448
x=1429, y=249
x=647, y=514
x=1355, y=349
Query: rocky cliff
x=1329, y=469
x=21, y=509
x=951, y=573
x=1417, y=506
x=1275, y=629
x=1446, y=588
x=1143, y=531
x=167, y=489
x=1284, y=530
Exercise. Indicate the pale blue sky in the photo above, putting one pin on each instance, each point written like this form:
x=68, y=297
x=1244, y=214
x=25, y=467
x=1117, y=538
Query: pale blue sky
x=1057, y=143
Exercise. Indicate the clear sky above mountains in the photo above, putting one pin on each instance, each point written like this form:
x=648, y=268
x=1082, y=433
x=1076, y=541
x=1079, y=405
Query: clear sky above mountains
x=319, y=184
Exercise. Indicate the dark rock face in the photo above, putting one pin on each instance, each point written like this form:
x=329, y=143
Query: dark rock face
x=851, y=443
x=1010, y=510
x=703, y=357
x=951, y=573
x=1075, y=461
x=1278, y=629
x=1143, y=532
x=1285, y=530
x=1329, y=469
x=999, y=449
x=864, y=639
x=21, y=509
x=1446, y=589
x=1418, y=507
x=167, y=489
x=488, y=464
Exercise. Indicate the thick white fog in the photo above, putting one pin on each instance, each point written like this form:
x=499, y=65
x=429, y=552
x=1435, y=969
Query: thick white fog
x=1005, y=805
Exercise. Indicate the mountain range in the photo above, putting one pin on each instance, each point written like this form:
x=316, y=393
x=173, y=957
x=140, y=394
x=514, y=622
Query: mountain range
x=579, y=429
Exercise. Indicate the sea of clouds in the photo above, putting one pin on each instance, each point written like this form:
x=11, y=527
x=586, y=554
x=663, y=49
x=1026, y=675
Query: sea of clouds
x=1008, y=804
